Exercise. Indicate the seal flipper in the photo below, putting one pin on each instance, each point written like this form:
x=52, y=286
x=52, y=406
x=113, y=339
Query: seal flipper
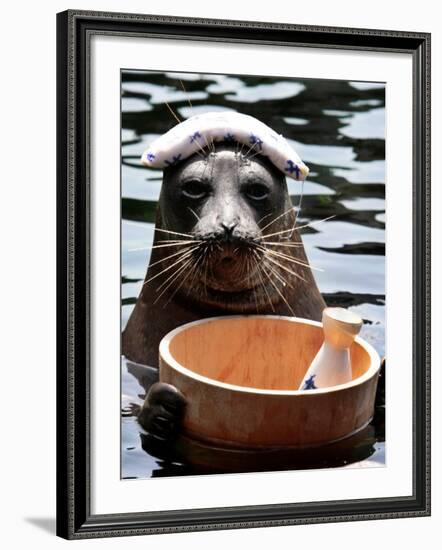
x=162, y=416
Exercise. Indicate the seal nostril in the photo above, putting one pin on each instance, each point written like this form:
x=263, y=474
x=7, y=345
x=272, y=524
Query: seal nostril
x=228, y=228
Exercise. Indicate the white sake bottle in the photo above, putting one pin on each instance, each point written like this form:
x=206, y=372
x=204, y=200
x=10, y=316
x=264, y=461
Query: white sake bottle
x=331, y=365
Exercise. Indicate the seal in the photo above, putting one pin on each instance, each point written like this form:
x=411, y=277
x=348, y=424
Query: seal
x=226, y=242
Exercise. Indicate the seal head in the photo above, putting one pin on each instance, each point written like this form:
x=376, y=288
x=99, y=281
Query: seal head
x=225, y=242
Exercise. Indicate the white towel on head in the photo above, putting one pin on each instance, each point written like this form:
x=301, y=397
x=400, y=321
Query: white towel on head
x=195, y=133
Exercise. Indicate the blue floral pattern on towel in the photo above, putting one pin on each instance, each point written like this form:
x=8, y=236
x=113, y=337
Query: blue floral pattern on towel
x=293, y=168
x=200, y=131
x=195, y=136
x=175, y=159
x=256, y=141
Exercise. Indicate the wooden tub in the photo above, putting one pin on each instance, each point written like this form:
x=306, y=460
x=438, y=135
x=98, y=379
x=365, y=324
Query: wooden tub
x=239, y=375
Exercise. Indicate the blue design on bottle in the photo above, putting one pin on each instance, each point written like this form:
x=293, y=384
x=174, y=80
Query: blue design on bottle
x=292, y=167
x=309, y=384
x=150, y=156
x=230, y=138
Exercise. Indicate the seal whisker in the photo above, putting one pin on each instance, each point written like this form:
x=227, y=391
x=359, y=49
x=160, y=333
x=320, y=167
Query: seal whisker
x=297, y=212
x=189, y=272
x=246, y=156
x=255, y=296
x=247, y=267
x=174, y=232
x=298, y=227
x=254, y=155
x=145, y=248
x=205, y=267
x=290, y=259
x=284, y=244
x=315, y=222
x=173, y=112
x=294, y=260
x=279, y=292
x=259, y=269
x=190, y=243
x=172, y=278
x=197, y=269
x=185, y=91
x=173, y=275
x=194, y=213
x=209, y=150
x=177, y=241
x=244, y=274
x=280, y=278
x=286, y=268
x=202, y=155
x=263, y=218
x=172, y=243
x=183, y=257
x=291, y=209
x=172, y=256
x=201, y=266
x=209, y=264
x=277, y=233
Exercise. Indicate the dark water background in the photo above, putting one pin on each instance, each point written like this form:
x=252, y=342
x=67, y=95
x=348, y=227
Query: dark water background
x=338, y=129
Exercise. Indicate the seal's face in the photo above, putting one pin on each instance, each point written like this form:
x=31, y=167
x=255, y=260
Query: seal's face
x=223, y=201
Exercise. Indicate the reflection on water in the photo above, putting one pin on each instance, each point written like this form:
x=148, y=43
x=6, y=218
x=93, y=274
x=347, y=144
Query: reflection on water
x=338, y=129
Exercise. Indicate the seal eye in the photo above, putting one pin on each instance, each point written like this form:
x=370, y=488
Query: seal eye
x=257, y=191
x=194, y=189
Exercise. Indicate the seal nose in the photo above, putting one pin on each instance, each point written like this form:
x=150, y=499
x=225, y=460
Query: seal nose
x=228, y=229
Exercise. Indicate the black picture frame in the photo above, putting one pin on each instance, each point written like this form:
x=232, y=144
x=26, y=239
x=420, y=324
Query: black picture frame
x=74, y=518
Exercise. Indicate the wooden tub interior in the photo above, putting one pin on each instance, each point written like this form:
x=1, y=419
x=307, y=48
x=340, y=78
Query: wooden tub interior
x=256, y=352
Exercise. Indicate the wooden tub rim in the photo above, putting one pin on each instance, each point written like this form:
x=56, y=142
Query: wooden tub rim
x=164, y=352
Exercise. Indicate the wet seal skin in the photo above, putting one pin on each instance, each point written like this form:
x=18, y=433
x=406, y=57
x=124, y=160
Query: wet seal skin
x=225, y=243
